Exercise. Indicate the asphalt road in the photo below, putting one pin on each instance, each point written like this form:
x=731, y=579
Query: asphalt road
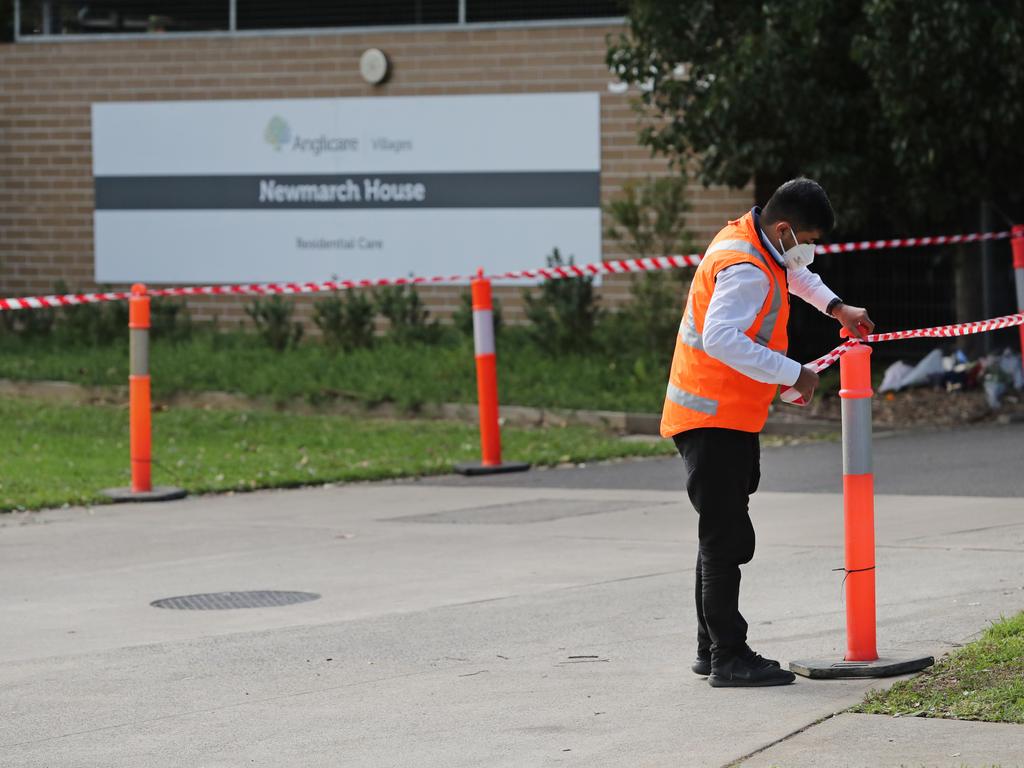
x=462, y=625
x=974, y=461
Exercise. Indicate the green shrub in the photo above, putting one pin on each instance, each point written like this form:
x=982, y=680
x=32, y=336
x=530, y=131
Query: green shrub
x=563, y=317
x=462, y=317
x=649, y=219
x=99, y=324
x=651, y=318
x=408, y=319
x=29, y=323
x=273, y=320
x=345, y=320
x=170, y=320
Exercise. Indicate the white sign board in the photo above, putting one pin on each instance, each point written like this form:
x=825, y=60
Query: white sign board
x=310, y=189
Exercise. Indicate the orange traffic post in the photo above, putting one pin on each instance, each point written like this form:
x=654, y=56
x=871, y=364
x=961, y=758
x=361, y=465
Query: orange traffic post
x=140, y=438
x=858, y=503
x=862, y=658
x=487, y=385
x=1017, y=244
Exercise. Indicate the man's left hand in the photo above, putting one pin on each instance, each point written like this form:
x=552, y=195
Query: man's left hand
x=855, y=320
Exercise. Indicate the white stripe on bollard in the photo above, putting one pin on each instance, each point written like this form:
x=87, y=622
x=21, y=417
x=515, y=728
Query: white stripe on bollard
x=483, y=331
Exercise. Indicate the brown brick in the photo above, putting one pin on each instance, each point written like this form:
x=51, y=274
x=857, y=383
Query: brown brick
x=46, y=187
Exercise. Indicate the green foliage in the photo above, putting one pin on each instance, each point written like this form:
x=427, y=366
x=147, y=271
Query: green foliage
x=651, y=318
x=170, y=320
x=58, y=454
x=273, y=320
x=649, y=218
x=34, y=323
x=345, y=320
x=947, y=75
x=102, y=324
x=984, y=680
x=29, y=323
x=408, y=374
x=564, y=316
x=96, y=324
x=902, y=110
x=462, y=317
x=408, y=318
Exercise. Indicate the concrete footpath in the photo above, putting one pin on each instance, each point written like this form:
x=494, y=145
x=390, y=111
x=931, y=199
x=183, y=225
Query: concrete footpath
x=464, y=624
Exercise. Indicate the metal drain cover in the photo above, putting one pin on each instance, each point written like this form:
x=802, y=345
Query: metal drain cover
x=222, y=601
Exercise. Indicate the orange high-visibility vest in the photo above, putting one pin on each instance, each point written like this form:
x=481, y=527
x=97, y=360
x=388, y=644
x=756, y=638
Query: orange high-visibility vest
x=703, y=391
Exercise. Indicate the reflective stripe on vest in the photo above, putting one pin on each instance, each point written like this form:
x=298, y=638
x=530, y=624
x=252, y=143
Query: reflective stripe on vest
x=691, y=401
x=767, y=328
x=688, y=331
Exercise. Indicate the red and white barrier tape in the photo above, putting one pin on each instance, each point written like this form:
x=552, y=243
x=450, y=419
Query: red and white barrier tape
x=912, y=242
x=621, y=266
x=789, y=395
x=615, y=267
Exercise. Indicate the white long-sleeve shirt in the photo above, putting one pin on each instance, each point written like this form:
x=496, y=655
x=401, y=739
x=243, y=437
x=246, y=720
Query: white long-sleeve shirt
x=740, y=292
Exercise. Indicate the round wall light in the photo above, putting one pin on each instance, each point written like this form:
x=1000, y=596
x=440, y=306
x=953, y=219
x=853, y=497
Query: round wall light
x=374, y=66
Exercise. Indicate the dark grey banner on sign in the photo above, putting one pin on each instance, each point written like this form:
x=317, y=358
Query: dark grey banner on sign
x=558, y=189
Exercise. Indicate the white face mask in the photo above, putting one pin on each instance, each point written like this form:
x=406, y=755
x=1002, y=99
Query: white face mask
x=800, y=255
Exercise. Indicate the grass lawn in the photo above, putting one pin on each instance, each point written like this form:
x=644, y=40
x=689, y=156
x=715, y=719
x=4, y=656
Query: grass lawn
x=984, y=680
x=406, y=374
x=62, y=454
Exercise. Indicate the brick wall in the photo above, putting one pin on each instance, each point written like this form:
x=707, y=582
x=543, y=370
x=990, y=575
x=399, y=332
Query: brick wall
x=46, y=189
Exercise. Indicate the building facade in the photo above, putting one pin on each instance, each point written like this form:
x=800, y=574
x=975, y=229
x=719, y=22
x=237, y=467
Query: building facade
x=49, y=82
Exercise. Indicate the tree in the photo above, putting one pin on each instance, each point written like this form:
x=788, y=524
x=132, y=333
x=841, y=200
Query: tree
x=948, y=75
x=904, y=111
x=908, y=113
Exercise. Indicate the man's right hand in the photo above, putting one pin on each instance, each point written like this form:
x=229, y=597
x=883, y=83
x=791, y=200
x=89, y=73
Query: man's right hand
x=806, y=383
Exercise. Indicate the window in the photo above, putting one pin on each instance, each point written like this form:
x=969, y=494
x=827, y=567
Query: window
x=84, y=17
x=536, y=10
x=268, y=14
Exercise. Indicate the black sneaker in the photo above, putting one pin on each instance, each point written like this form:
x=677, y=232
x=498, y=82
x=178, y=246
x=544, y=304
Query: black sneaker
x=702, y=664
x=740, y=672
x=756, y=659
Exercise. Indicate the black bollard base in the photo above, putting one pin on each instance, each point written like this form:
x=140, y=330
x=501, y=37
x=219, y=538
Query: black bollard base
x=887, y=664
x=159, y=493
x=477, y=468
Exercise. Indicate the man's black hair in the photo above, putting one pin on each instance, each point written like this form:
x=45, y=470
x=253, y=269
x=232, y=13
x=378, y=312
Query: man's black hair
x=803, y=203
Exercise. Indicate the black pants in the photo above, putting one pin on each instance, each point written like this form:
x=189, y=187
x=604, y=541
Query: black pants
x=723, y=469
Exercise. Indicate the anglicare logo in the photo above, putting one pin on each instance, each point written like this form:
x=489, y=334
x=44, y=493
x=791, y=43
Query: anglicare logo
x=278, y=132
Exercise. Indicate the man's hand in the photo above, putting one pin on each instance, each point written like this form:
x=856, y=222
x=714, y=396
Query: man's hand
x=806, y=383
x=855, y=320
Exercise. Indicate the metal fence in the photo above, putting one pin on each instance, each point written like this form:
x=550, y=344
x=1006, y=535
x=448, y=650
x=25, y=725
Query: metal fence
x=38, y=18
x=912, y=288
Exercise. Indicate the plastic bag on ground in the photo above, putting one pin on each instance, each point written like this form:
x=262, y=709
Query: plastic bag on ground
x=924, y=371
x=894, y=376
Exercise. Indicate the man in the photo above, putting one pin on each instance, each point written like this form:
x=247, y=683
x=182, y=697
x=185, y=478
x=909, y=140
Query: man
x=730, y=357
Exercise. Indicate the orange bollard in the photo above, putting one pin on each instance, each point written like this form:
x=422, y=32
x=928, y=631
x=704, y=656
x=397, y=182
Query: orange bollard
x=140, y=425
x=486, y=385
x=858, y=503
x=140, y=408
x=486, y=372
x=862, y=658
x=1017, y=244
